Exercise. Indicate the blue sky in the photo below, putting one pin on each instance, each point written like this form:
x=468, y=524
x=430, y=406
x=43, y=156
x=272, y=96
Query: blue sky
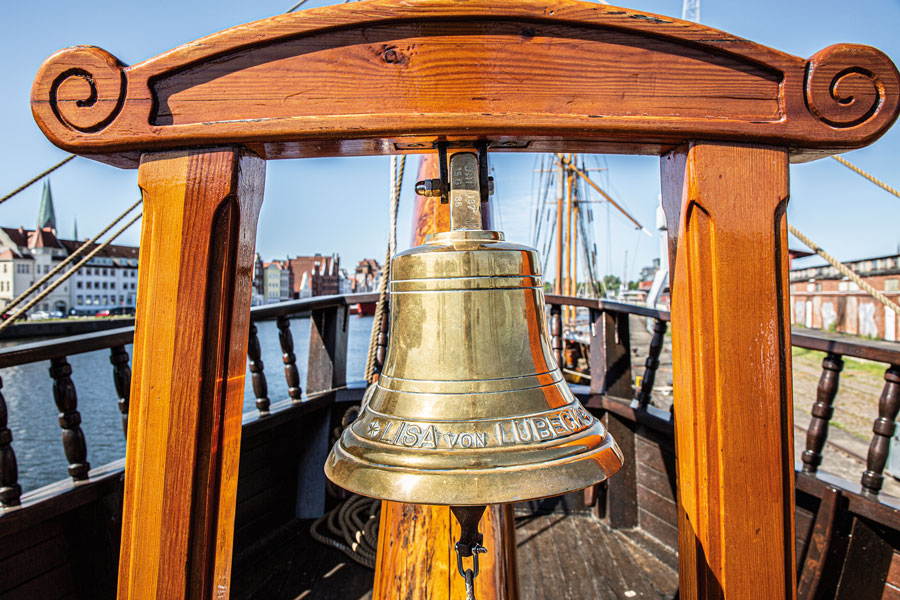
x=308, y=208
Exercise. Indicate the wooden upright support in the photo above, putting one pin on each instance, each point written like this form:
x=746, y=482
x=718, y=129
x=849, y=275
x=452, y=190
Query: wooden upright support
x=725, y=205
x=190, y=348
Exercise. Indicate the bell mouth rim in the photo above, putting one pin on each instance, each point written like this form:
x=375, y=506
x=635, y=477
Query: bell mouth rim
x=464, y=235
x=474, y=486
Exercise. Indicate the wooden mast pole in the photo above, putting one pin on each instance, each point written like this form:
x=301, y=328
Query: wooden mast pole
x=574, y=290
x=568, y=284
x=560, y=198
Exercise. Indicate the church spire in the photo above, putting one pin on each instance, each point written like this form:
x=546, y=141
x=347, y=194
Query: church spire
x=75, y=230
x=46, y=215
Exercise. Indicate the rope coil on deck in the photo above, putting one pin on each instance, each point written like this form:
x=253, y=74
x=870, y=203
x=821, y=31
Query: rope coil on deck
x=354, y=525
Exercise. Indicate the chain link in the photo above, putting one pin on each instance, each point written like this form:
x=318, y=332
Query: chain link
x=470, y=584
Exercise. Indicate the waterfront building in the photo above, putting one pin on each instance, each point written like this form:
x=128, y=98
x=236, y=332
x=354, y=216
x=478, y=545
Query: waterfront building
x=822, y=298
x=345, y=283
x=367, y=276
x=315, y=275
x=258, y=296
x=107, y=281
x=278, y=281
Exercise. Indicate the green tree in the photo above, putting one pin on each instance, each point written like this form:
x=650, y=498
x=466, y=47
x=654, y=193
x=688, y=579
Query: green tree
x=611, y=282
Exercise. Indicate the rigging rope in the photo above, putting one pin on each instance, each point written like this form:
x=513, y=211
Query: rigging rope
x=35, y=179
x=78, y=252
x=11, y=319
x=845, y=271
x=868, y=176
x=381, y=306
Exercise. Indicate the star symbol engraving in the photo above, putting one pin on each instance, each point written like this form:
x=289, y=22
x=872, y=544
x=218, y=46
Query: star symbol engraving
x=373, y=429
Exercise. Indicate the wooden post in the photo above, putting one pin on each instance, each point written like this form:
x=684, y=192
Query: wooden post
x=611, y=376
x=327, y=362
x=822, y=411
x=291, y=374
x=190, y=347
x=66, y=400
x=416, y=559
x=122, y=380
x=725, y=206
x=257, y=370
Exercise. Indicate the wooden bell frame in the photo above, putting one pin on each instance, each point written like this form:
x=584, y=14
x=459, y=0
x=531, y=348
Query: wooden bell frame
x=725, y=115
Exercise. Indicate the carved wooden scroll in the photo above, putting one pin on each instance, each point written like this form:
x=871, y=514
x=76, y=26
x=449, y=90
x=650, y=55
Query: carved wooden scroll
x=389, y=76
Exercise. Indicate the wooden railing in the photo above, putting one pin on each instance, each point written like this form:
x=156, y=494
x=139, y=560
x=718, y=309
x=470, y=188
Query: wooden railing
x=326, y=371
x=846, y=532
x=642, y=495
x=611, y=375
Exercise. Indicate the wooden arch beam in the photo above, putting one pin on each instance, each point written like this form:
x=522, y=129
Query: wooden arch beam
x=388, y=76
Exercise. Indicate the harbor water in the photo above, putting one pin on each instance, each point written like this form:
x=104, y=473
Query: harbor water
x=36, y=433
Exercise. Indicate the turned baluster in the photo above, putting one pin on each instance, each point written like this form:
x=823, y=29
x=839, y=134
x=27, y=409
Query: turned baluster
x=652, y=363
x=69, y=418
x=556, y=339
x=10, y=490
x=884, y=427
x=382, y=342
x=822, y=411
x=258, y=376
x=122, y=380
x=290, y=361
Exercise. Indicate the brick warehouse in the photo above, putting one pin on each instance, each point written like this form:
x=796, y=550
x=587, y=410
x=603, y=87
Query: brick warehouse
x=821, y=298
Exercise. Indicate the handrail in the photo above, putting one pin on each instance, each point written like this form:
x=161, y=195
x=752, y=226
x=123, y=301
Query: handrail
x=100, y=340
x=885, y=352
x=612, y=401
x=835, y=343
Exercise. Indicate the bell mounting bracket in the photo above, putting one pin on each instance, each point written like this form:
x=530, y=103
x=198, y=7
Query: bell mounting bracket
x=441, y=186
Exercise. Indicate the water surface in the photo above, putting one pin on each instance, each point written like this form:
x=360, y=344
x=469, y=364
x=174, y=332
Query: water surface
x=37, y=438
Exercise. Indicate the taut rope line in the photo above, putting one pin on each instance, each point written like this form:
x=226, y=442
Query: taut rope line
x=845, y=271
x=36, y=179
x=37, y=284
x=9, y=321
x=380, y=307
x=868, y=176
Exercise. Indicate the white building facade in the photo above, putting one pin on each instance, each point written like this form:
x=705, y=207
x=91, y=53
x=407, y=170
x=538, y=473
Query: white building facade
x=106, y=282
x=277, y=281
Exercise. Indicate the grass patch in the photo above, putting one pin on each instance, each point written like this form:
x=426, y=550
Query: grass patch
x=846, y=429
x=852, y=366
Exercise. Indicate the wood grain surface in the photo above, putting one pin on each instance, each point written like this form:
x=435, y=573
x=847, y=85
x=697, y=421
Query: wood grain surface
x=725, y=206
x=388, y=76
x=190, y=348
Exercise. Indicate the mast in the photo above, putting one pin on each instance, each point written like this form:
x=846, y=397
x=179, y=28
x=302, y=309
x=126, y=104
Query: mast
x=574, y=249
x=568, y=237
x=560, y=192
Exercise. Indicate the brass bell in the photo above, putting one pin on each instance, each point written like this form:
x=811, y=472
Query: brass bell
x=471, y=407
